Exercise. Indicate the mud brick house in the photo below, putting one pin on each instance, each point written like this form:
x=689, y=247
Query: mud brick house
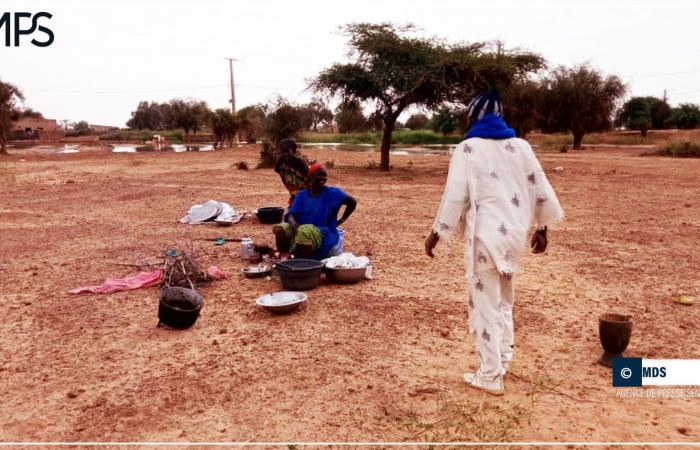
x=33, y=128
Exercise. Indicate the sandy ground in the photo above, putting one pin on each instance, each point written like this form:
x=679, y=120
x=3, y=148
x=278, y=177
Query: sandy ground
x=378, y=361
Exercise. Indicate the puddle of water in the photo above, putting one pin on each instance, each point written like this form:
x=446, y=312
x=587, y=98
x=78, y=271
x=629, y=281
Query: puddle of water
x=177, y=148
x=430, y=149
x=124, y=149
x=69, y=149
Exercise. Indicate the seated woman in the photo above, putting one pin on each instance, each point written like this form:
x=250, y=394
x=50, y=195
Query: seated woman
x=311, y=230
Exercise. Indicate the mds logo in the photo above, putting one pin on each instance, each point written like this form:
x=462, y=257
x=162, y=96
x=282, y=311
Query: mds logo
x=24, y=23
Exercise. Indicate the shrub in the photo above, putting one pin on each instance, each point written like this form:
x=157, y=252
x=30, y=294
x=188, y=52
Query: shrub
x=417, y=122
x=681, y=150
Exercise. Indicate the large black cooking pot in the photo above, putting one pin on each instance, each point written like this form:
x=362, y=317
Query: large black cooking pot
x=270, y=214
x=299, y=274
x=179, y=307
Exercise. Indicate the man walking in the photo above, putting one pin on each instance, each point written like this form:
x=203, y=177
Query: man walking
x=495, y=190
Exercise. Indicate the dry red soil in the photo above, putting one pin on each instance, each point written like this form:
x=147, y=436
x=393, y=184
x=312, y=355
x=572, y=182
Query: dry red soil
x=378, y=361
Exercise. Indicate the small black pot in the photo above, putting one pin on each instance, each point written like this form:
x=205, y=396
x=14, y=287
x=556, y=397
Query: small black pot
x=615, y=331
x=299, y=274
x=179, y=307
x=270, y=215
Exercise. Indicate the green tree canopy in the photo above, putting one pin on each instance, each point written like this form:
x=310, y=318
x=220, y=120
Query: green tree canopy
x=394, y=69
x=635, y=114
x=284, y=120
x=318, y=113
x=190, y=115
x=251, y=120
x=148, y=116
x=522, y=104
x=686, y=115
x=444, y=121
x=224, y=126
x=580, y=100
x=10, y=99
x=349, y=116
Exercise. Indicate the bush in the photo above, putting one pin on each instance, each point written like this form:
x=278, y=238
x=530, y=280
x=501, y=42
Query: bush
x=267, y=155
x=417, y=122
x=681, y=150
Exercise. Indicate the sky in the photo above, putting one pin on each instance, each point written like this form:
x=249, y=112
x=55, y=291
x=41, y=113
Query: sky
x=108, y=55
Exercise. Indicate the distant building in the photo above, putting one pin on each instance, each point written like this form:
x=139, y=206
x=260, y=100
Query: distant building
x=33, y=128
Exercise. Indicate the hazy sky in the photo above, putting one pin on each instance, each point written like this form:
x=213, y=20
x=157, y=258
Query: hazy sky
x=108, y=55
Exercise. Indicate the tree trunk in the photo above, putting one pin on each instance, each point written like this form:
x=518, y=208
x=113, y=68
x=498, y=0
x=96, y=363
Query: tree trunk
x=578, y=137
x=386, y=144
x=3, y=148
x=644, y=132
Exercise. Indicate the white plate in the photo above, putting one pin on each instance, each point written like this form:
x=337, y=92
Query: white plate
x=283, y=298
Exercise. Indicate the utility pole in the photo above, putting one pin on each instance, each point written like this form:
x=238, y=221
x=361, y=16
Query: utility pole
x=665, y=96
x=233, y=91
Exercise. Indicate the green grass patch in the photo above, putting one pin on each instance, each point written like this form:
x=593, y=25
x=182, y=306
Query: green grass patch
x=141, y=135
x=404, y=137
x=681, y=150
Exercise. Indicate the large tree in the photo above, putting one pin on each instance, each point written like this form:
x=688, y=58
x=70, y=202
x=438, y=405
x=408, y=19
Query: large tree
x=148, y=116
x=251, y=120
x=394, y=69
x=10, y=99
x=521, y=106
x=444, y=121
x=224, y=126
x=317, y=113
x=580, y=100
x=635, y=114
x=686, y=115
x=190, y=115
x=349, y=116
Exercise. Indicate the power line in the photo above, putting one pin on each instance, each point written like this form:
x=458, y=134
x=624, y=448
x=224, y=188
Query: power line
x=663, y=74
x=152, y=91
x=63, y=91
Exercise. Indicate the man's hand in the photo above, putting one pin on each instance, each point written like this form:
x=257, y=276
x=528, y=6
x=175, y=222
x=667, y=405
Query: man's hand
x=430, y=243
x=538, y=244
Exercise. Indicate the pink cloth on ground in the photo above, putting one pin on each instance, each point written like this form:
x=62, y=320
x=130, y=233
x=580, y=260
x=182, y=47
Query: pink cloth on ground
x=141, y=280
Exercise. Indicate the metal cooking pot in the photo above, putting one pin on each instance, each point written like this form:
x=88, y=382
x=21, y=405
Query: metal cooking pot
x=179, y=307
x=270, y=214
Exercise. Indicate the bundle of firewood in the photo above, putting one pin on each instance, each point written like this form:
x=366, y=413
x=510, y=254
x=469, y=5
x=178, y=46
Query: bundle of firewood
x=182, y=269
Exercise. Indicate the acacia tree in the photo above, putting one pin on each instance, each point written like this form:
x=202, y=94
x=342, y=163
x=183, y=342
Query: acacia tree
x=580, y=100
x=521, y=106
x=394, y=70
x=317, y=113
x=10, y=98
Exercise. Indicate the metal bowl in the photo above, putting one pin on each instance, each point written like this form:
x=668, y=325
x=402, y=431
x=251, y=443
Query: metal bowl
x=344, y=275
x=281, y=302
x=255, y=271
